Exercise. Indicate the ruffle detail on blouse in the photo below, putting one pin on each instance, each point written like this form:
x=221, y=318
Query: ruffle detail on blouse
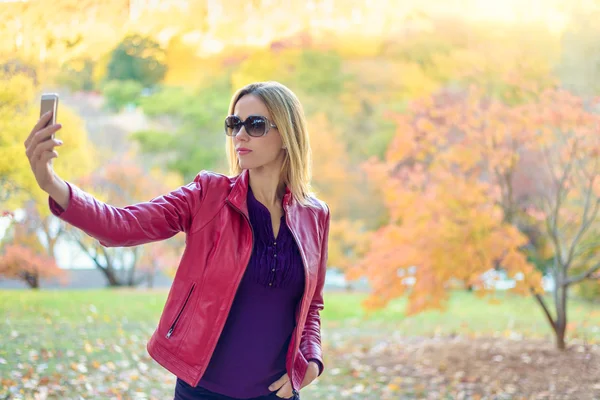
x=275, y=262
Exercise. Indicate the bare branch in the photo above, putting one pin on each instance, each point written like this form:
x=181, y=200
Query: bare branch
x=542, y=303
x=550, y=164
x=585, y=275
x=107, y=257
x=586, y=221
x=554, y=236
x=583, y=163
x=93, y=256
x=590, y=256
x=588, y=250
x=561, y=193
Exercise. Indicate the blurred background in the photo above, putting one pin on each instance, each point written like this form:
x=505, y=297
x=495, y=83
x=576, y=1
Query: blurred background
x=456, y=143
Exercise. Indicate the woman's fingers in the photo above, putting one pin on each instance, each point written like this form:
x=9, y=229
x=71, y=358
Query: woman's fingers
x=279, y=382
x=286, y=391
x=48, y=155
x=42, y=122
x=41, y=136
x=43, y=147
x=45, y=133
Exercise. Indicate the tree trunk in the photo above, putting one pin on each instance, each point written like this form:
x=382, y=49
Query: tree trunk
x=131, y=272
x=106, y=267
x=111, y=277
x=560, y=300
x=32, y=280
x=52, y=240
x=558, y=324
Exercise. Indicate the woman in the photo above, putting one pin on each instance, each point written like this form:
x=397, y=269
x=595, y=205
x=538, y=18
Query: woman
x=241, y=320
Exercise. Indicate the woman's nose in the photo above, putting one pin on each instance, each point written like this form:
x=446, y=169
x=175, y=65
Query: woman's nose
x=242, y=134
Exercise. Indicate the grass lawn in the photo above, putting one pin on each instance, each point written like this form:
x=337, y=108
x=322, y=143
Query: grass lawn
x=467, y=314
x=66, y=344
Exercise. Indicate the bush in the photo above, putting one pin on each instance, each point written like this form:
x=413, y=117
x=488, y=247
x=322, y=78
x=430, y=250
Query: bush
x=137, y=58
x=119, y=94
x=198, y=139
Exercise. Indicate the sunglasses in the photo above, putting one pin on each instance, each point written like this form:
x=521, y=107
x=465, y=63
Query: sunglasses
x=255, y=125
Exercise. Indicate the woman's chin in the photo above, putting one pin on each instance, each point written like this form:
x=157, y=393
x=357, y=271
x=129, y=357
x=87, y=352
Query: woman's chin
x=246, y=165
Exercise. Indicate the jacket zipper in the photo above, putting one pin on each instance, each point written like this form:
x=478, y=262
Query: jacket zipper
x=174, y=324
x=294, y=391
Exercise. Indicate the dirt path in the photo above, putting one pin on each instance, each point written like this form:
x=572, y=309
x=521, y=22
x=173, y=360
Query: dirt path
x=482, y=368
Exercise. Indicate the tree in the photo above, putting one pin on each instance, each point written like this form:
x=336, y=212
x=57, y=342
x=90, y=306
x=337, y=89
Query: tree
x=31, y=255
x=444, y=203
x=72, y=29
x=15, y=112
x=19, y=111
x=77, y=75
x=568, y=203
x=163, y=257
x=25, y=258
x=123, y=182
x=462, y=174
x=137, y=58
x=443, y=227
x=197, y=139
x=355, y=204
x=183, y=63
x=510, y=61
x=118, y=94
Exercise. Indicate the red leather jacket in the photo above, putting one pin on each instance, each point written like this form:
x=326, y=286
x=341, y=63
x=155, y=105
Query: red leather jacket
x=213, y=213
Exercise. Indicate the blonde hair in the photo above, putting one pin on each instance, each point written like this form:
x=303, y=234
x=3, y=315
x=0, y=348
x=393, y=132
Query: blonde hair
x=287, y=114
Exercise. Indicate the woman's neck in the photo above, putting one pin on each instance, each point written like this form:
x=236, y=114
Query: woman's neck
x=267, y=186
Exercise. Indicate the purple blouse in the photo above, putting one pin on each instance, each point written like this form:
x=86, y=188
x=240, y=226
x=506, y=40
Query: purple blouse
x=251, y=351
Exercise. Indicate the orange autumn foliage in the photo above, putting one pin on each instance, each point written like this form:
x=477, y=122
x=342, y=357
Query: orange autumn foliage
x=25, y=259
x=441, y=181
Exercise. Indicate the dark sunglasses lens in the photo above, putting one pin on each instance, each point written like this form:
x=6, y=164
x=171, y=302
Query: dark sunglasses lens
x=255, y=126
x=232, y=125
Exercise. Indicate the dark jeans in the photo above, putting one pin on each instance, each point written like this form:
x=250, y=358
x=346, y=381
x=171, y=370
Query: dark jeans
x=183, y=391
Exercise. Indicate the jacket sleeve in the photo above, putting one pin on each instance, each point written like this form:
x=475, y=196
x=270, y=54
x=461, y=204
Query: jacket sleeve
x=310, y=344
x=157, y=219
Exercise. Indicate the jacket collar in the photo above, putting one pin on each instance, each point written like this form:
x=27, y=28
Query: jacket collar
x=239, y=192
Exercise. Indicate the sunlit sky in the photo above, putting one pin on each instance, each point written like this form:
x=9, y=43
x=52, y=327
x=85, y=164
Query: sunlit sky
x=547, y=11
x=516, y=10
x=373, y=17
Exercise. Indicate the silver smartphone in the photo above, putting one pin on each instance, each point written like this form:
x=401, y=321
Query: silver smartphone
x=49, y=103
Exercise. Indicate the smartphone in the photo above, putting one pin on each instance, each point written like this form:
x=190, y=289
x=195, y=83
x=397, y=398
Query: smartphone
x=49, y=103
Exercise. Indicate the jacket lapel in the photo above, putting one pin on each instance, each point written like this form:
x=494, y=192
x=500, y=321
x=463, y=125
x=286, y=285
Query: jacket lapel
x=239, y=191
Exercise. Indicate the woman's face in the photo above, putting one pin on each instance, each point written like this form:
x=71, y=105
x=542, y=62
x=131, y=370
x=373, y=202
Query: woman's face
x=257, y=152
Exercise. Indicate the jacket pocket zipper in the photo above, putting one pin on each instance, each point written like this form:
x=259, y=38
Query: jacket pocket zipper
x=174, y=324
